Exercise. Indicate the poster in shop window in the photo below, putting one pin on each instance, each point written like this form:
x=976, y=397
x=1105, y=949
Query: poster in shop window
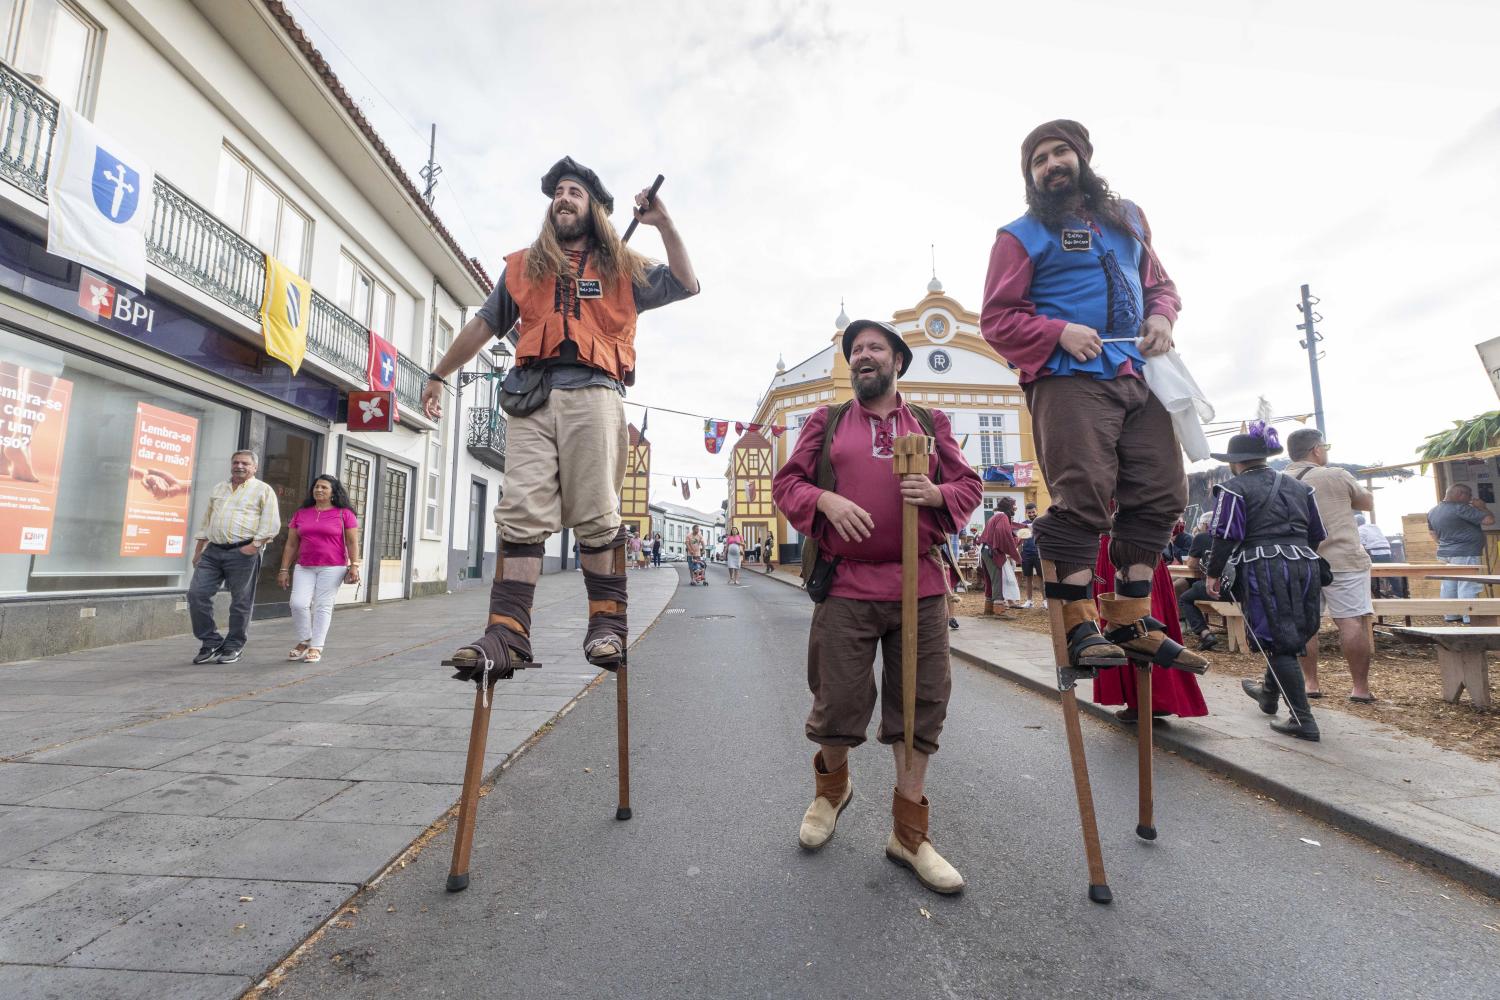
x=33, y=427
x=158, y=495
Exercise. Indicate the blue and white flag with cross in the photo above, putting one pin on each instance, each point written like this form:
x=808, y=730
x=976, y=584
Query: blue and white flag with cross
x=100, y=200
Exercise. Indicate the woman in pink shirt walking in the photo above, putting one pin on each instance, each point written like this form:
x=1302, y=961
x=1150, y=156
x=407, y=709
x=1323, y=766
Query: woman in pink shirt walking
x=322, y=542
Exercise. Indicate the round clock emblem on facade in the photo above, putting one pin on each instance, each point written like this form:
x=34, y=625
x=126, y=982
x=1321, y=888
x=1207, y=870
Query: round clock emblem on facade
x=937, y=327
x=940, y=362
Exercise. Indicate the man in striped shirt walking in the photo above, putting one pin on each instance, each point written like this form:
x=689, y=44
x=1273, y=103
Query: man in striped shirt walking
x=241, y=519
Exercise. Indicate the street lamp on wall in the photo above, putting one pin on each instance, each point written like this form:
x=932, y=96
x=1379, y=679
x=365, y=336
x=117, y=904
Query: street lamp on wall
x=500, y=360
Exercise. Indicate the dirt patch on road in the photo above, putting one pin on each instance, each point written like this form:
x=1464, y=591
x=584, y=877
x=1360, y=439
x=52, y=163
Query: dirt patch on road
x=1404, y=677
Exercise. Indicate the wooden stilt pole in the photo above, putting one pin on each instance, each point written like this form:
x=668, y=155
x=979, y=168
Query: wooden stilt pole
x=1098, y=883
x=911, y=455
x=458, y=874
x=622, y=731
x=1145, y=826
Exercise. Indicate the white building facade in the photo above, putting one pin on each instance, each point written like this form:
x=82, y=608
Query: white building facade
x=675, y=522
x=256, y=148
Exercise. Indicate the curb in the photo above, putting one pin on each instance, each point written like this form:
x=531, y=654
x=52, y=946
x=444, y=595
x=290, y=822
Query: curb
x=1462, y=870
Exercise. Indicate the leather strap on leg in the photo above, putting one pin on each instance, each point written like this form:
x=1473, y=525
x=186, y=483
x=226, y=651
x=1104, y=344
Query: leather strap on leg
x=1086, y=647
x=605, y=641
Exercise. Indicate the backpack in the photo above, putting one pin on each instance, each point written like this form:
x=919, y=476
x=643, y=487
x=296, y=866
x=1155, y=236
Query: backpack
x=826, y=480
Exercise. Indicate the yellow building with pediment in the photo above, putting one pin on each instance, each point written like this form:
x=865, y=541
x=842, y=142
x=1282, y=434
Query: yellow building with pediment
x=953, y=369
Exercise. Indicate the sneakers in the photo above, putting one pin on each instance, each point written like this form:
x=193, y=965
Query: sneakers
x=1026, y=606
x=207, y=653
x=228, y=655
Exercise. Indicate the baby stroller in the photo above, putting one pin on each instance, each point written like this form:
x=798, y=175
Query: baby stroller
x=696, y=570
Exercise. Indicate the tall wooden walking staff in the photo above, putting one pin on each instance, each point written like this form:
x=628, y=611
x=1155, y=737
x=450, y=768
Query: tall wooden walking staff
x=912, y=454
x=622, y=682
x=1067, y=678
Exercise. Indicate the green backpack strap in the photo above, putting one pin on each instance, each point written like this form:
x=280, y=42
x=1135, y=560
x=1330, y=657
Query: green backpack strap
x=826, y=480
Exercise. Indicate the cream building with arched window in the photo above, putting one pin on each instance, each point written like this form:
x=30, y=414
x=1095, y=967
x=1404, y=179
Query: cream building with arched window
x=953, y=370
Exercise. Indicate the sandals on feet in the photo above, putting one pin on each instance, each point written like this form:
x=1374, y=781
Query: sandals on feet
x=313, y=655
x=298, y=652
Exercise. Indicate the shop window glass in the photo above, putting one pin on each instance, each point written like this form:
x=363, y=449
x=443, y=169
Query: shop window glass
x=104, y=474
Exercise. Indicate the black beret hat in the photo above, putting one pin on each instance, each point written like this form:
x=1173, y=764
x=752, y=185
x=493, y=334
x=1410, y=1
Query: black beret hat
x=897, y=344
x=568, y=167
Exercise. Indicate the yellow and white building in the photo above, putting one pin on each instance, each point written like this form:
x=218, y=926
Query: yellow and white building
x=953, y=369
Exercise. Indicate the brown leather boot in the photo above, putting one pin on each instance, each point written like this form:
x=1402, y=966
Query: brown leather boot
x=1141, y=637
x=910, y=847
x=1086, y=647
x=833, y=795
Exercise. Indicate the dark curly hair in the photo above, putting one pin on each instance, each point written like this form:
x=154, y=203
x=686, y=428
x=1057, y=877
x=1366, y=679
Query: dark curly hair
x=1006, y=506
x=340, y=495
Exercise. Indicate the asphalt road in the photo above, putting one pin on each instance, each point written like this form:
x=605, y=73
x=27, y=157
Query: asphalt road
x=705, y=893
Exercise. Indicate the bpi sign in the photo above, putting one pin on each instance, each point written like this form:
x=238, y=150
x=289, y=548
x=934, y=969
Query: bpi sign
x=104, y=300
x=371, y=410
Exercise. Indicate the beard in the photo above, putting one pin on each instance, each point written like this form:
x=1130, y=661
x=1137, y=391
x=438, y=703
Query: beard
x=569, y=226
x=872, y=385
x=1054, y=207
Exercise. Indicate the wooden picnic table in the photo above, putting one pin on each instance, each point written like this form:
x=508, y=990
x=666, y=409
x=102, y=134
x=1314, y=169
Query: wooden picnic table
x=1461, y=657
x=1483, y=579
x=1436, y=571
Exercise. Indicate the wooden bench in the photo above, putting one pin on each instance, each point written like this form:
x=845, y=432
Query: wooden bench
x=1461, y=657
x=1234, y=622
x=1483, y=612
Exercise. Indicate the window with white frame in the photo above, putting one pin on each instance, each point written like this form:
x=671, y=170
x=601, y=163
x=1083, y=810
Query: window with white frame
x=432, y=522
x=53, y=43
x=364, y=296
x=992, y=439
x=255, y=209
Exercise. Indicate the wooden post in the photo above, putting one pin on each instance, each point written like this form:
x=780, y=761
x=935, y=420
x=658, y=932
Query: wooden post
x=1098, y=883
x=468, y=807
x=912, y=455
x=1145, y=826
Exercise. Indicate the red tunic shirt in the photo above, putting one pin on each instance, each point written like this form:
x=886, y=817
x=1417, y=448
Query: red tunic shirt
x=861, y=453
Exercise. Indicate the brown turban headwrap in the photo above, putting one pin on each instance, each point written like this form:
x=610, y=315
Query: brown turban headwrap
x=1069, y=131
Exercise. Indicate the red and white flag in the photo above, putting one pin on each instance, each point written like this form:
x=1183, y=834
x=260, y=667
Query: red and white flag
x=382, y=367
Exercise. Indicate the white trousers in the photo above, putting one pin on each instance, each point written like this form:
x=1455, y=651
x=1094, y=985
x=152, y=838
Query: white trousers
x=313, y=591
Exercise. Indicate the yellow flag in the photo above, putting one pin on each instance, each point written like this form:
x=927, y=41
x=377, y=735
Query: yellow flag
x=283, y=313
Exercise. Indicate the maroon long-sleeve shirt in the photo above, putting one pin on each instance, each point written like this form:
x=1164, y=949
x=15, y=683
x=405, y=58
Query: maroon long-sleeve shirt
x=862, y=463
x=1009, y=320
x=1000, y=535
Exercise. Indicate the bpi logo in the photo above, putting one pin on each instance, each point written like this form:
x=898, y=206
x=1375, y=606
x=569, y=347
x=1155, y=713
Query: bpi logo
x=293, y=305
x=98, y=297
x=33, y=540
x=117, y=188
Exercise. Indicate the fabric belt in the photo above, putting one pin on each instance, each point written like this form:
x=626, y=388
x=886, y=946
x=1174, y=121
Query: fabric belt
x=230, y=545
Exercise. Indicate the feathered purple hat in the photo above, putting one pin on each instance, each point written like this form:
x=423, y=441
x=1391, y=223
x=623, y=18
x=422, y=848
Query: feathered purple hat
x=1261, y=441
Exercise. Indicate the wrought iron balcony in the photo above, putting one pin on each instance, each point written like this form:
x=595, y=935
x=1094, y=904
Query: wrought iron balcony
x=190, y=242
x=487, y=435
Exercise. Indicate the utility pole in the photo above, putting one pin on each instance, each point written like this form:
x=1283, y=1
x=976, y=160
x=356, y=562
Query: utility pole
x=430, y=172
x=1311, y=343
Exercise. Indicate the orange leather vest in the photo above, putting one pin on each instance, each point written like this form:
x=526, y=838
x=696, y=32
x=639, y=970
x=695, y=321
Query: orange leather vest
x=603, y=328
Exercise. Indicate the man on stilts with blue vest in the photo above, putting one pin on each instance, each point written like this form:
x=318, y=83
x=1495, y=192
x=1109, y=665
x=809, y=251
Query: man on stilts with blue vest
x=1078, y=302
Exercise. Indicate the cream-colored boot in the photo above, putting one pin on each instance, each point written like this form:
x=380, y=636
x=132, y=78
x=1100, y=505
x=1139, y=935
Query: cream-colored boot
x=909, y=846
x=834, y=792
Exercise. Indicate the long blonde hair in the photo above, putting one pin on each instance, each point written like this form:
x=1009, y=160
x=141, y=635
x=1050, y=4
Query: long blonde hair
x=545, y=259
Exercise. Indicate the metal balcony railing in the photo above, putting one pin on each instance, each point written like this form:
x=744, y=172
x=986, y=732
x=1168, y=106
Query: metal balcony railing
x=189, y=241
x=487, y=435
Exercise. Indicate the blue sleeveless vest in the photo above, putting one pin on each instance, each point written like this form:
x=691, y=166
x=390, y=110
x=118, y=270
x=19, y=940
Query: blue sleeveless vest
x=1098, y=287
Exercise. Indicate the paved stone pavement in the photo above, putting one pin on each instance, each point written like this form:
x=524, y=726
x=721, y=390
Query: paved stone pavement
x=1400, y=792
x=200, y=822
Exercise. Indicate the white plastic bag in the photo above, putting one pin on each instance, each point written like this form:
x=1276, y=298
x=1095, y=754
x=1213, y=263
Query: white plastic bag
x=1169, y=379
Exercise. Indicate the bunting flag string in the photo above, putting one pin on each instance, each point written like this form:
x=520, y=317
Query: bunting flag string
x=714, y=432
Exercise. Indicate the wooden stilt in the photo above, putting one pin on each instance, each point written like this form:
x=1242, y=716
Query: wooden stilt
x=1145, y=826
x=458, y=874
x=622, y=731
x=1098, y=883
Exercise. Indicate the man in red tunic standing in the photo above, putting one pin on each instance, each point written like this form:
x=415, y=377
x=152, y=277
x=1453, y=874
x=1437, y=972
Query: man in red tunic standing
x=858, y=523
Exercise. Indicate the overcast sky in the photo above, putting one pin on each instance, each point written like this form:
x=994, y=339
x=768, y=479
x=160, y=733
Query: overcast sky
x=814, y=150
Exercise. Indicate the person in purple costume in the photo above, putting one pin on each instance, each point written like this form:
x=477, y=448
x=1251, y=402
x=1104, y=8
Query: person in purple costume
x=1266, y=531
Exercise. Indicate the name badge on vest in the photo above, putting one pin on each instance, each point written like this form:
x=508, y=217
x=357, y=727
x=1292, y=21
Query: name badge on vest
x=1077, y=239
x=589, y=288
